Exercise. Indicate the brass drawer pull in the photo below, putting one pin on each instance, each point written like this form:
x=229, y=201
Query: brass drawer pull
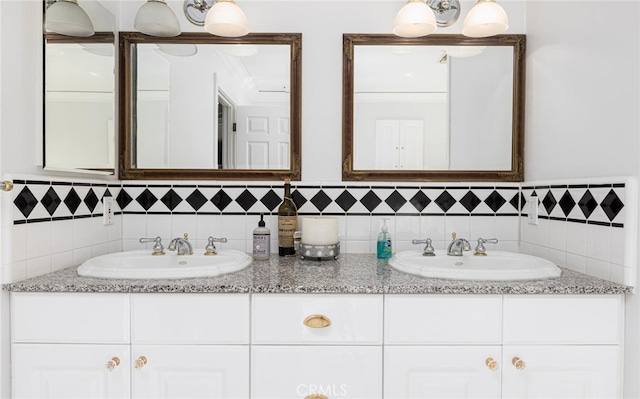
x=518, y=363
x=491, y=363
x=113, y=363
x=140, y=362
x=317, y=321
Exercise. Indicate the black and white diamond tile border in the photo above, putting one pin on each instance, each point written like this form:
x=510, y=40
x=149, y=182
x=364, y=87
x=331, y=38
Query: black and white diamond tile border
x=41, y=200
x=45, y=201
x=599, y=204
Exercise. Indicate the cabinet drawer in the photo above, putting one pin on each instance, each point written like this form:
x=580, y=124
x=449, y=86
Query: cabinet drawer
x=190, y=318
x=69, y=317
x=443, y=319
x=560, y=319
x=284, y=372
x=351, y=319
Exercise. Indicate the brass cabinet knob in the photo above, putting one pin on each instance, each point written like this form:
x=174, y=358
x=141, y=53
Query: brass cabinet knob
x=140, y=362
x=518, y=363
x=316, y=396
x=491, y=363
x=317, y=321
x=113, y=363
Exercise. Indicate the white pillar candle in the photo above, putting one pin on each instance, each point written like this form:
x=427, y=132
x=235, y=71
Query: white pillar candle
x=319, y=230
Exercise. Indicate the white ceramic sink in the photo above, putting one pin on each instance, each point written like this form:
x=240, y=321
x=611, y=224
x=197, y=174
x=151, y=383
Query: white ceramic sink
x=141, y=264
x=498, y=266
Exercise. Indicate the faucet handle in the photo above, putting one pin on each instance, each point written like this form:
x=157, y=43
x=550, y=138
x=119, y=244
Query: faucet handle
x=210, y=249
x=186, y=236
x=480, y=248
x=157, y=249
x=453, y=235
x=428, y=248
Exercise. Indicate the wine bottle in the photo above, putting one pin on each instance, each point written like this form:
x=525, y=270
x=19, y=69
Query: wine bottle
x=287, y=221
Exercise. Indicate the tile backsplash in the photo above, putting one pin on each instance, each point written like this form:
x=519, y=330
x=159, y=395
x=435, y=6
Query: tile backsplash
x=57, y=223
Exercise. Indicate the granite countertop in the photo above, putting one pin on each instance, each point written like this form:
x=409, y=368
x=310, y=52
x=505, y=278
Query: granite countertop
x=350, y=274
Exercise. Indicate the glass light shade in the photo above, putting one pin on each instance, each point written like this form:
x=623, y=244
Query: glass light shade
x=226, y=19
x=486, y=18
x=414, y=19
x=155, y=18
x=68, y=18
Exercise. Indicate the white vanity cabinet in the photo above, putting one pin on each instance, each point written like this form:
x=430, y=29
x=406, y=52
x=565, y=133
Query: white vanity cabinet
x=313, y=346
x=71, y=345
x=316, y=346
x=512, y=346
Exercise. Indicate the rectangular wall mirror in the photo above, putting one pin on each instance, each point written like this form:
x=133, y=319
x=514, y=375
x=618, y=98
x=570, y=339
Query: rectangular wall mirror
x=79, y=101
x=199, y=106
x=434, y=108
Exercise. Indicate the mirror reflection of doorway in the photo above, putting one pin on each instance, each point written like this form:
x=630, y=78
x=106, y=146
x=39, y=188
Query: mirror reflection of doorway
x=226, y=132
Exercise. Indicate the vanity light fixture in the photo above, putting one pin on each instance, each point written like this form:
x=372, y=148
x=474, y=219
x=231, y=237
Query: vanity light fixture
x=422, y=17
x=226, y=19
x=68, y=18
x=155, y=18
x=486, y=18
x=414, y=19
x=220, y=18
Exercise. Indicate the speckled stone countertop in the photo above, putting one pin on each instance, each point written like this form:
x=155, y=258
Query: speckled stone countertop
x=351, y=273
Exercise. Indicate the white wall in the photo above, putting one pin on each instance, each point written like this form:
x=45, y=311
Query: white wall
x=583, y=97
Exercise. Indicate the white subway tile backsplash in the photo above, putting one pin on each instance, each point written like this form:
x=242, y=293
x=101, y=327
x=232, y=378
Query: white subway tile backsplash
x=157, y=226
x=39, y=239
x=61, y=260
x=358, y=228
x=482, y=227
x=617, y=246
x=134, y=227
x=19, y=244
x=82, y=254
x=576, y=262
x=577, y=238
x=38, y=266
x=457, y=224
x=183, y=224
x=18, y=271
x=598, y=268
x=599, y=242
x=82, y=232
x=557, y=257
x=407, y=228
x=558, y=235
x=62, y=236
x=432, y=227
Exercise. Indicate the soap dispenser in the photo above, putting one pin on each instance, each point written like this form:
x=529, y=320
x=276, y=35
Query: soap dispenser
x=261, y=241
x=384, y=247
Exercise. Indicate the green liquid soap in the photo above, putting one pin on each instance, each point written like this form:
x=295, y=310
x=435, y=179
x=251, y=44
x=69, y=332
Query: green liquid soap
x=384, y=249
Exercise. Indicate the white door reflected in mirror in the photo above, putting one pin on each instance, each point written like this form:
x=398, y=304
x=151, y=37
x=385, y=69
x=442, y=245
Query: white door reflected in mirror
x=224, y=106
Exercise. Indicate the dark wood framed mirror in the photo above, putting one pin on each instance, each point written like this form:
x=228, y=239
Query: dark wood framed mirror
x=434, y=108
x=199, y=106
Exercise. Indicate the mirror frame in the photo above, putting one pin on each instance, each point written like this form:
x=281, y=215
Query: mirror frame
x=515, y=174
x=126, y=171
x=56, y=38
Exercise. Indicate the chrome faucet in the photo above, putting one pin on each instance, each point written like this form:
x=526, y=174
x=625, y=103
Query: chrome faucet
x=428, y=248
x=480, y=248
x=181, y=245
x=210, y=249
x=457, y=246
x=157, y=249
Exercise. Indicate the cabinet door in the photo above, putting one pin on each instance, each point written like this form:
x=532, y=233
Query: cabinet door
x=70, y=371
x=441, y=372
x=284, y=372
x=561, y=372
x=190, y=371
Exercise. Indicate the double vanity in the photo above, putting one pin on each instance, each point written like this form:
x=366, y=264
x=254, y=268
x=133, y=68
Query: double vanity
x=354, y=327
